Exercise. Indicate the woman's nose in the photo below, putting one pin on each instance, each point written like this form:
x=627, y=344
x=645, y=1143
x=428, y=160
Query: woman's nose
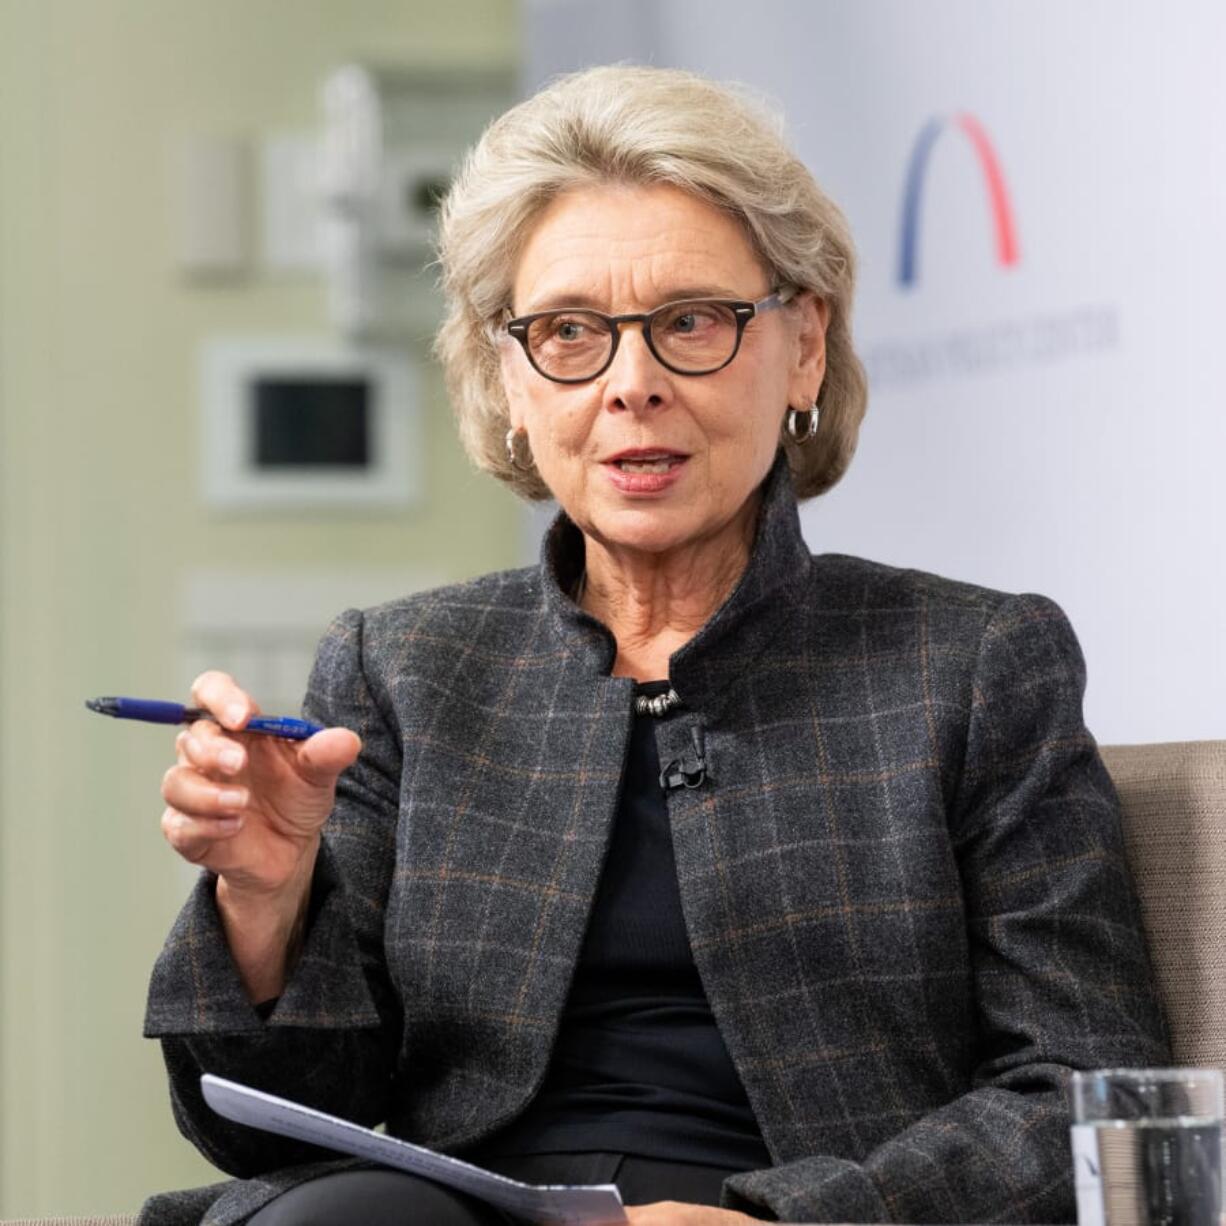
x=635, y=379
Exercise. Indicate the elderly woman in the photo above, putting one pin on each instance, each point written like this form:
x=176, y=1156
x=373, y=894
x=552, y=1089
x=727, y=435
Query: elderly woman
x=766, y=885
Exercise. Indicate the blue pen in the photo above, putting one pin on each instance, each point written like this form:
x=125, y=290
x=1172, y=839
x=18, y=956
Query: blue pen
x=152, y=711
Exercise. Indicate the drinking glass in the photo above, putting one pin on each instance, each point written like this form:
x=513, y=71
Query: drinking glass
x=1147, y=1147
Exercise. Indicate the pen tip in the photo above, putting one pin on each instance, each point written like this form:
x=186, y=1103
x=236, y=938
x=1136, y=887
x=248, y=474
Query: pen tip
x=103, y=706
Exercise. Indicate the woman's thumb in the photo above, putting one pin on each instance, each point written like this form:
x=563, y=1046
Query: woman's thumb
x=323, y=756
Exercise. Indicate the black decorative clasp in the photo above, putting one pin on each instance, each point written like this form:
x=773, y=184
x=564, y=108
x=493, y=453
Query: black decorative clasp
x=687, y=772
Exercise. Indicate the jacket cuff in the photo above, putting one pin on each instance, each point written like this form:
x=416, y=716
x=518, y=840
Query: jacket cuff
x=196, y=988
x=819, y=1189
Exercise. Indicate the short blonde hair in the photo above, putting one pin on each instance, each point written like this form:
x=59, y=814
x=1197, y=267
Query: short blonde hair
x=634, y=125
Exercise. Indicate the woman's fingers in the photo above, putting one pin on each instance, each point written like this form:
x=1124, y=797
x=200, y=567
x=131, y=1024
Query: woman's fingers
x=320, y=759
x=674, y=1213
x=193, y=838
x=208, y=749
x=199, y=812
x=185, y=789
x=279, y=792
x=224, y=699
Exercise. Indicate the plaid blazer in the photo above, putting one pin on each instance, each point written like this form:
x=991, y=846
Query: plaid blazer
x=901, y=871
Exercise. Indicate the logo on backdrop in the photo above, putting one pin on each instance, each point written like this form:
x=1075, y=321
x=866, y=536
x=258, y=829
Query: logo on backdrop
x=1003, y=225
x=986, y=343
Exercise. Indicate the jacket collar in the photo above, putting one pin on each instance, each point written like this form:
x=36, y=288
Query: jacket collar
x=739, y=630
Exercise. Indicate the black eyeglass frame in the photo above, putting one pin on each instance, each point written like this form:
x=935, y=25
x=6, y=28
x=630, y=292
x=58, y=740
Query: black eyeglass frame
x=742, y=310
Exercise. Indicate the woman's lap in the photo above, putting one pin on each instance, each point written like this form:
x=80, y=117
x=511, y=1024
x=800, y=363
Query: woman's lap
x=396, y=1198
x=640, y=1180
x=376, y=1198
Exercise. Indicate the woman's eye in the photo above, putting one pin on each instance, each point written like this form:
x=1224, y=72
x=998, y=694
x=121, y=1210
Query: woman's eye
x=691, y=320
x=568, y=330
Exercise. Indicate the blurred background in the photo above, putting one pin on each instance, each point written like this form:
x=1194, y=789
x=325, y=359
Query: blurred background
x=220, y=423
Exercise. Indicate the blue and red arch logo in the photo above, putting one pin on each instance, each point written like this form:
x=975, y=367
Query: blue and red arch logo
x=1004, y=227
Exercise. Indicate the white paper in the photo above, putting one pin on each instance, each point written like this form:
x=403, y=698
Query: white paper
x=561, y=1203
x=1087, y=1175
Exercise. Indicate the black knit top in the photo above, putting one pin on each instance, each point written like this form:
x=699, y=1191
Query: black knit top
x=639, y=1066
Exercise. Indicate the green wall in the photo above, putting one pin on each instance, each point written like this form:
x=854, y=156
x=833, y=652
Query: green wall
x=99, y=517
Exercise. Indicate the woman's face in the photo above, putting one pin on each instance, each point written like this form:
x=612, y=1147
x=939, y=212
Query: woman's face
x=621, y=249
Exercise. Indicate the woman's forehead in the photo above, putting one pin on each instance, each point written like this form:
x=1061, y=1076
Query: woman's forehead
x=605, y=246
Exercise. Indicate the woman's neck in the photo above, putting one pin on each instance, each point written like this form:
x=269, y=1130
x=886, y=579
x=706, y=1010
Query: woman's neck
x=654, y=603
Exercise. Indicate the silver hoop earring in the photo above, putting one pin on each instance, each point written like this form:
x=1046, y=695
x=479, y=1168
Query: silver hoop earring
x=800, y=432
x=523, y=463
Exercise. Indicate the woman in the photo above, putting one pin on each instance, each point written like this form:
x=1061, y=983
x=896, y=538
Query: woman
x=769, y=885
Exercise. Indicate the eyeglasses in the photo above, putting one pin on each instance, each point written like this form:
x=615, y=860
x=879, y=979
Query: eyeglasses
x=695, y=337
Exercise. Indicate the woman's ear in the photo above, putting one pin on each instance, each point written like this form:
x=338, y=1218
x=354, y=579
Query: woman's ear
x=510, y=358
x=809, y=368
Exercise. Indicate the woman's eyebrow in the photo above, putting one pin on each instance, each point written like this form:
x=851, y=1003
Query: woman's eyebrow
x=552, y=302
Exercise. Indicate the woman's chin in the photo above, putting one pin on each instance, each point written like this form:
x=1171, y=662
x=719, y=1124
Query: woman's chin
x=648, y=529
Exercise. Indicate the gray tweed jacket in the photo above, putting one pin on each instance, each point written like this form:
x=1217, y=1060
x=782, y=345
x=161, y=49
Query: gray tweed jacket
x=901, y=872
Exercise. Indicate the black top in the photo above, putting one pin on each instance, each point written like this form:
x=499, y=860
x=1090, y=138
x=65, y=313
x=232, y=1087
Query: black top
x=639, y=1066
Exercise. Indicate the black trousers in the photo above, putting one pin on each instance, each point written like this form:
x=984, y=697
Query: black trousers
x=396, y=1198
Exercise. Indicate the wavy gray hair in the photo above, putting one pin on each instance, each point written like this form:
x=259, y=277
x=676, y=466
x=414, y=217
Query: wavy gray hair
x=636, y=125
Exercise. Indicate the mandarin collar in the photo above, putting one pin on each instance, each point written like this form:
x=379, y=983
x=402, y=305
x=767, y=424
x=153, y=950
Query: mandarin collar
x=739, y=629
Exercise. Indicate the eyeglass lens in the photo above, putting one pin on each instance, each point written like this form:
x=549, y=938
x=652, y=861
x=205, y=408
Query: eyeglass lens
x=689, y=336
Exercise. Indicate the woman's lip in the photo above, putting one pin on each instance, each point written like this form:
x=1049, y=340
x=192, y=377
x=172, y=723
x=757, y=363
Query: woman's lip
x=647, y=453
x=645, y=483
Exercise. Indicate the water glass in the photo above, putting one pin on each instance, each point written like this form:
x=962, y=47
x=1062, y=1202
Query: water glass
x=1147, y=1147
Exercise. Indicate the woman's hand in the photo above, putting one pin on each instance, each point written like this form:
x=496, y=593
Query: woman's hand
x=673, y=1213
x=250, y=807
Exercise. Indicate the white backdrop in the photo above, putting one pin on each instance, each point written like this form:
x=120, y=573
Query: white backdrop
x=1054, y=423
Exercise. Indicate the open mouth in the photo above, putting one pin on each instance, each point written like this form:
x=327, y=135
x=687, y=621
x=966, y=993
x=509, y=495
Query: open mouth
x=649, y=463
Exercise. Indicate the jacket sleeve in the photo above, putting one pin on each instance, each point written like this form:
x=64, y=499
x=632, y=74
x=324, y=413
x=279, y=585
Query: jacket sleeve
x=332, y=1039
x=1060, y=969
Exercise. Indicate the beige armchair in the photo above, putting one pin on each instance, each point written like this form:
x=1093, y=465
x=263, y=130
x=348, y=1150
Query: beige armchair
x=1174, y=799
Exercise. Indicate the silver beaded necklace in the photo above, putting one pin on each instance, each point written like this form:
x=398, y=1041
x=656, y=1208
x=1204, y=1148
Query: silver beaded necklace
x=660, y=704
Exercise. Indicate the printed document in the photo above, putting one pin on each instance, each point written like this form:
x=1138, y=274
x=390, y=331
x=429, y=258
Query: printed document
x=555, y=1204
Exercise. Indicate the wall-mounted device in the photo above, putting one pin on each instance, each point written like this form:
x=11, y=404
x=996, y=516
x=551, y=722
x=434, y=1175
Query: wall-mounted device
x=392, y=139
x=308, y=423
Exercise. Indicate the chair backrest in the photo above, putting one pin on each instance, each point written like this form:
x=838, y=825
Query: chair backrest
x=1174, y=800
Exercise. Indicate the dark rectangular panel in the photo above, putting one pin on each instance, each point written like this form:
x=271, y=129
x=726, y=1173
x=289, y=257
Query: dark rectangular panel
x=312, y=423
